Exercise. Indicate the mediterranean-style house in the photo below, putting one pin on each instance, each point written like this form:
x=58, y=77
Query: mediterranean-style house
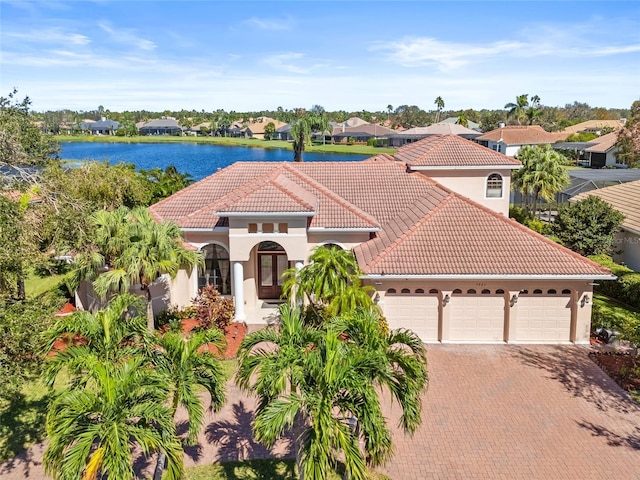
x=509, y=139
x=429, y=228
x=626, y=199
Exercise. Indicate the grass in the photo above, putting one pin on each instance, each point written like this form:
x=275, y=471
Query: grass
x=610, y=313
x=229, y=141
x=36, y=285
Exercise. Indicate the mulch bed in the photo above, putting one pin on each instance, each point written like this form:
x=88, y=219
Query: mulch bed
x=623, y=368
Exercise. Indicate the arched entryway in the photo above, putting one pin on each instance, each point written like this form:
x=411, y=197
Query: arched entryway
x=272, y=263
x=217, y=268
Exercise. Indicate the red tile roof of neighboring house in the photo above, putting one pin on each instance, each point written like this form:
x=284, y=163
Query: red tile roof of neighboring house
x=604, y=143
x=425, y=229
x=624, y=197
x=450, y=151
x=591, y=125
x=522, y=135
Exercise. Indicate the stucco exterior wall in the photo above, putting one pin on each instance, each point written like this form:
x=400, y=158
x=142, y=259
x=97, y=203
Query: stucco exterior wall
x=473, y=184
x=626, y=248
x=345, y=240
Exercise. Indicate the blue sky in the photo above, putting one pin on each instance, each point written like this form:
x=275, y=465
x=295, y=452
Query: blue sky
x=242, y=56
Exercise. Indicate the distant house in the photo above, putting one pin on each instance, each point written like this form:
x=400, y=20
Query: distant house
x=593, y=126
x=417, y=133
x=597, y=153
x=625, y=198
x=103, y=126
x=360, y=133
x=471, y=125
x=256, y=129
x=283, y=133
x=161, y=126
x=509, y=139
x=196, y=130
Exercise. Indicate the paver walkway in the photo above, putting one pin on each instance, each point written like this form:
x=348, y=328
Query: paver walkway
x=491, y=412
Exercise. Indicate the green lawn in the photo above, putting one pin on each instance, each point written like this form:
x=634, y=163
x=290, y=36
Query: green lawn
x=238, y=142
x=610, y=313
x=36, y=285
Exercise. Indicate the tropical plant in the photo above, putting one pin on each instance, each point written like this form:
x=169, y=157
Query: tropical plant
x=165, y=183
x=269, y=131
x=113, y=335
x=136, y=250
x=588, y=226
x=212, y=309
x=629, y=139
x=301, y=134
x=324, y=384
x=543, y=174
x=188, y=364
x=518, y=108
x=462, y=120
x=93, y=429
x=330, y=280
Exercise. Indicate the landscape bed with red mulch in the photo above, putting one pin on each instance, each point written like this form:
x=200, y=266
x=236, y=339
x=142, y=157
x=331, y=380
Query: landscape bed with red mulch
x=623, y=368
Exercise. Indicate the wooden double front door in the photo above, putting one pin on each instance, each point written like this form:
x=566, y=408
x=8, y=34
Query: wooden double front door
x=271, y=266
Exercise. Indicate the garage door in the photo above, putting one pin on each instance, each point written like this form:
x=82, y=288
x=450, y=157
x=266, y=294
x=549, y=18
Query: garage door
x=543, y=318
x=476, y=318
x=417, y=312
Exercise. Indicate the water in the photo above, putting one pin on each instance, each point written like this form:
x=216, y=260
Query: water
x=198, y=160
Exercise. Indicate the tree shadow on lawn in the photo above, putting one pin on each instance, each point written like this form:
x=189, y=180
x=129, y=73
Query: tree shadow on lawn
x=236, y=441
x=22, y=423
x=571, y=366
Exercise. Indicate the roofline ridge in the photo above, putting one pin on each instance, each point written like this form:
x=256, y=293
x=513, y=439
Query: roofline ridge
x=335, y=197
x=291, y=194
x=406, y=234
x=249, y=187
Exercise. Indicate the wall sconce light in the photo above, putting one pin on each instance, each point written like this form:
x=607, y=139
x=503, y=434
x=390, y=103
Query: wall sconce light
x=376, y=298
x=514, y=300
x=445, y=299
x=585, y=300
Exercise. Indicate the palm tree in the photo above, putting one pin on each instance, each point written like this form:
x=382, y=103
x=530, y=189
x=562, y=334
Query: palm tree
x=324, y=384
x=542, y=175
x=188, y=365
x=111, y=335
x=330, y=280
x=136, y=250
x=301, y=134
x=439, y=102
x=518, y=108
x=92, y=430
x=462, y=120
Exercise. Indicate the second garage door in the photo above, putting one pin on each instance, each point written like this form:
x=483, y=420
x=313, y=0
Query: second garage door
x=476, y=318
x=415, y=312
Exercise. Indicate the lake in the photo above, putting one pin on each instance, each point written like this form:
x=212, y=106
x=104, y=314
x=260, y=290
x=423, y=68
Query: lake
x=198, y=160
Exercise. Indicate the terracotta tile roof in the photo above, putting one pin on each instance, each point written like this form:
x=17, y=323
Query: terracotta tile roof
x=425, y=229
x=460, y=237
x=624, y=197
x=604, y=143
x=591, y=125
x=449, y=151
x=442, y=128
x=368, y=128
x=522, y=135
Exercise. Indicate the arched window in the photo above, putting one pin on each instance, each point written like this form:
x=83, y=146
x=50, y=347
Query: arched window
x=551, y=292
x=433, y=290
x=405, y=291
x=217, y=269
x=419, y=290
x=537, y=291
x=566, y=291
x=500, y=291
x=391, y=290
x=494, y=186
x=471, y=291
x=486, y=291
x=457, y=291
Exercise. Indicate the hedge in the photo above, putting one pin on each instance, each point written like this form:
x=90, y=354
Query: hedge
x=626, y=288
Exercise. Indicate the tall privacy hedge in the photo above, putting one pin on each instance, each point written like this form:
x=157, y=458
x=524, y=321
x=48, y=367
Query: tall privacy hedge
x=626, y=288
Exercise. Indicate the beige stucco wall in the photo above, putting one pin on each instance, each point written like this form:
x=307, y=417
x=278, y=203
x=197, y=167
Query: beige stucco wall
x=344, y=240
x=626, y=249
x=473, y=184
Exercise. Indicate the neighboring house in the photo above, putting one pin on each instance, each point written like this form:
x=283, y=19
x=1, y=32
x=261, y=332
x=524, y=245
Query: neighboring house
x=283, y=133
x=359, y=133
x=450, y=268
x=256, y=129
x=593, y=126
x=418, y=133
x=509, y=139
x=471, y=125
x=626, y=199
x=103, y=126
x=601, y=152
x=161, y=126
x=585, y=180
x=196, y=130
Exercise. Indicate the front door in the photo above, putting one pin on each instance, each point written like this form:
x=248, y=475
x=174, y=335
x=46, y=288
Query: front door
x=271, y=266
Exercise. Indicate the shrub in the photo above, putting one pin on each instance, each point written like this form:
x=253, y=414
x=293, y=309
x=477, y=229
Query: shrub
x=212, y=309
x=626, y=288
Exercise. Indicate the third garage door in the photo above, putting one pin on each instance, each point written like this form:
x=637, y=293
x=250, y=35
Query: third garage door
x=544, y=317
x=415, y=311
x=476, y=317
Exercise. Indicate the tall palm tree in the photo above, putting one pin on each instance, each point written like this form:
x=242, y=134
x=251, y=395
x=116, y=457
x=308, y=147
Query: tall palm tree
x=542, y=175
x=301, y=134
x=188, y=365
x=136, y=250
x=439, y=103
x=518, y=108
x=462, y=120
x=330, y=280
x=324, y=384
x=92, y=430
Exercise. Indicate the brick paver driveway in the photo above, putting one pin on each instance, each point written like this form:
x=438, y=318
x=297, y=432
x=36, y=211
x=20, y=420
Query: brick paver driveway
x=491, y=412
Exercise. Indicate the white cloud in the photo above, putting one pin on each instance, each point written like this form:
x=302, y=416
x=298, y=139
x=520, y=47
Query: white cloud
x=49, y=36
x=270, y=24
x=127, y=36
x=285, y=62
